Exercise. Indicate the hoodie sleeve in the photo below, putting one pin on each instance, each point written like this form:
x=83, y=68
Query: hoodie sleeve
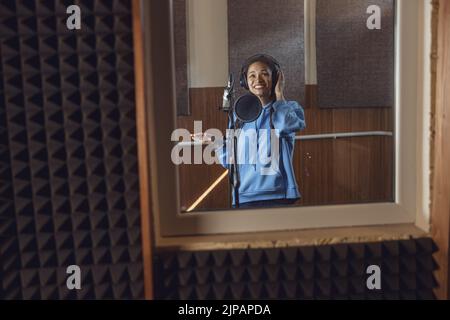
x=221, y=150
x=222, y=154
x=288, y=117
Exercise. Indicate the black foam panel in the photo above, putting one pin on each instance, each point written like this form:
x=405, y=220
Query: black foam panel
x=69, y=191
x=321, y=272
x=181, y=57
x=355, y=65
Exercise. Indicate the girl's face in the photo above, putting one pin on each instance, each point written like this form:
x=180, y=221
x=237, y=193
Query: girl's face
x=259, y=79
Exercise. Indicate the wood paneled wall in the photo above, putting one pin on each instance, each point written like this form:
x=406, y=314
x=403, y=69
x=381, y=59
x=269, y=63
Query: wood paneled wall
x=328, y=171
x=196, y=179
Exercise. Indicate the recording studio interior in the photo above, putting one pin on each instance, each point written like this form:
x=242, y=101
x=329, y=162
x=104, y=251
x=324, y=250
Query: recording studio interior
x=113, y=124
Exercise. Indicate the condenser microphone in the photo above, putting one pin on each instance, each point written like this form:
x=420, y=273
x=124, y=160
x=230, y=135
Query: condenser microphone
x=248, y=108
x=228, y=94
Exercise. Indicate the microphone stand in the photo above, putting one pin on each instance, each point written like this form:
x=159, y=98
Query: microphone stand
x=233, y=173
x=234, y=177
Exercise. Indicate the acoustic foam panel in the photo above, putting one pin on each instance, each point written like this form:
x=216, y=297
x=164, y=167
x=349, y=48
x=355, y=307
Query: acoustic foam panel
x=181, y=54
x=270, y=27
x=355, y=65
x=322, y=272
x=68, y=167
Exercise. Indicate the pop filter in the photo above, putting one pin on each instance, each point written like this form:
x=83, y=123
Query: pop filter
x=248, y=108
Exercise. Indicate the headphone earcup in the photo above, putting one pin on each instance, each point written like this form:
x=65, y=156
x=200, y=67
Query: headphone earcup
x=243, y=81
x=275, y=79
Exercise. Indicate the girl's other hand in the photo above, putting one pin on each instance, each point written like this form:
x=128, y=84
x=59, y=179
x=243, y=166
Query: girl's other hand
x=279, y=88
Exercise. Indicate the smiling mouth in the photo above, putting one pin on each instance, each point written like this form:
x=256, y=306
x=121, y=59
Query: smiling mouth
x=259, y=87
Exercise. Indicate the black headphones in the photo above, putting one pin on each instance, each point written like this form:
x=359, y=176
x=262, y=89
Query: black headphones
x=265, y=58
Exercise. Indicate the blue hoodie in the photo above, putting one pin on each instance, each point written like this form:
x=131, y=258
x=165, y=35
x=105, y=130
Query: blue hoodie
x=278, y=183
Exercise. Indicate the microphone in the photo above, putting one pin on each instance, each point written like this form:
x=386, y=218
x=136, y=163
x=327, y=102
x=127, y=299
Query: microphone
x=228, y=94
x=248, y=108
